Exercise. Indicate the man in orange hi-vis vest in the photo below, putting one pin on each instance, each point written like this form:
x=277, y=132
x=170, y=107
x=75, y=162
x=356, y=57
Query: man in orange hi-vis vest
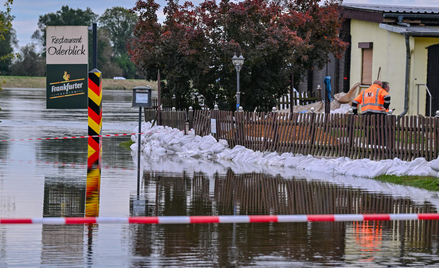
x=374, y=100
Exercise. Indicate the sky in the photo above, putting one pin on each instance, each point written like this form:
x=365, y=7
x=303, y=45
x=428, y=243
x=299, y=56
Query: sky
x=27, y=12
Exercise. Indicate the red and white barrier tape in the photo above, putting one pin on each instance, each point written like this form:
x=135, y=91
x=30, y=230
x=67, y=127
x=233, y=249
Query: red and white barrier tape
x=223, y=219
x=87, y=136
x=75, y=137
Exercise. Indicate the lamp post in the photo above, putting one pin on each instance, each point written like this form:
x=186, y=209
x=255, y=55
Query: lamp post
x=237, y=62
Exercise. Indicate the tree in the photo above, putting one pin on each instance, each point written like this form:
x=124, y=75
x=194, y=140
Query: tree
x=9, y=41
x=5, y=24
x=7, y=38
x=194, y=46
x=119, y=22
x=29, y=62
x=65, y=16
x=106, y=63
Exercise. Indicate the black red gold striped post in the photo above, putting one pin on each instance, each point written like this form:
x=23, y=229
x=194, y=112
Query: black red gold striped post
x=94, y=143
x=94, y=109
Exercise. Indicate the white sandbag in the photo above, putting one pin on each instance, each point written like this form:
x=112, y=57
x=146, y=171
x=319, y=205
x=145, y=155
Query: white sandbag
x=236, y=150
x=418, y=167
x=319, y=165
x=253, y=157
x=207, y=142
x=225, y=155
x=379, y=168
x=134, y=147
x=433, y=173
x=239, y=156
x=217, y=148
x=305, y=162
x=290, y=162
x=186, y=139
x=176, y=147
x=159, y=151
x=224, y=143
x=435, y=164
x=192, y=146
x=398, y=167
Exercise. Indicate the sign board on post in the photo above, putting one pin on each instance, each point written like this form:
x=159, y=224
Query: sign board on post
x=67, y=67
x=212, y=125
x=142, y=97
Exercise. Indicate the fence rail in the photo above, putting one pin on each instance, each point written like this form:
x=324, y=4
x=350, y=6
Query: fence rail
x=328, y=135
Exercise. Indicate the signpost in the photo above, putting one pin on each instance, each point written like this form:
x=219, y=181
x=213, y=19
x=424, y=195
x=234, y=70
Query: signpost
x=141, y=98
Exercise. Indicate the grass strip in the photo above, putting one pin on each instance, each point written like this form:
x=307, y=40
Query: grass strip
x=422, y=182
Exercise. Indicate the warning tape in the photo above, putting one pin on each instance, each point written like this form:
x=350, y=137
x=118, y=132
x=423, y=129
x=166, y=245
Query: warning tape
x=223, y=219
x=89, y=136
x=76, y=137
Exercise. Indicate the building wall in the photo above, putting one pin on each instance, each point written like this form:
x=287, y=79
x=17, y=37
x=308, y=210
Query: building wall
x=388, y=53
x=419, y=74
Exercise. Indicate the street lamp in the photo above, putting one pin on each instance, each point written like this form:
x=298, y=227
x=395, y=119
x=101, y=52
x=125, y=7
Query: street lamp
x=238, y=62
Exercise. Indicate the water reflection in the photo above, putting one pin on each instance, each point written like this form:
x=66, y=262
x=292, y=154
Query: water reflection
x=280, y=244
x=64, y=199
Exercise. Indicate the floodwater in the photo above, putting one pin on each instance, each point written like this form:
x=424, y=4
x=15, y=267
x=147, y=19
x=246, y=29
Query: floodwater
x=49, y=178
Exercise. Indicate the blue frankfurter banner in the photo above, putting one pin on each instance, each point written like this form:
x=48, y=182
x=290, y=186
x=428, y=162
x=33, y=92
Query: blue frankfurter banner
x=67, y=67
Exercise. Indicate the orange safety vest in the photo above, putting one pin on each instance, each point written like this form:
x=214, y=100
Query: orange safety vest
x=372, y=99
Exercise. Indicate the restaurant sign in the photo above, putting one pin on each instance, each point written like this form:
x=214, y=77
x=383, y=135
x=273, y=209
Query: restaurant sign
x=67, y=67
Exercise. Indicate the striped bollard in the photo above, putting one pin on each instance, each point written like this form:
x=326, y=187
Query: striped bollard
x=94, y=143
x=94, y=109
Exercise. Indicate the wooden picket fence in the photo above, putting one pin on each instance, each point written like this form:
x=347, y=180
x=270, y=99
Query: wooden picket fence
x=299, y=98
x=175, y=119
x=326, y=135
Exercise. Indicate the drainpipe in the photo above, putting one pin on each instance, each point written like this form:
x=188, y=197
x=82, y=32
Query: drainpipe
x=407, y=76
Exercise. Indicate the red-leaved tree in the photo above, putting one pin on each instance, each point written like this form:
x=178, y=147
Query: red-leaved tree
x=194, y=45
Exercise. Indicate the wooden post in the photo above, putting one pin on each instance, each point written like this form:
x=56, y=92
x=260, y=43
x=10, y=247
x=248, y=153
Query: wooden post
x=159, y=99
x=190, y=115
x=327, y=102
x=291, y=95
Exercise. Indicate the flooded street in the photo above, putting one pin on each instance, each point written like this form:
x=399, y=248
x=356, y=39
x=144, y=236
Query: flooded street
x=48, y=178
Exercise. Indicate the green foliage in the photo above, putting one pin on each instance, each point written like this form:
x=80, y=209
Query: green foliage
x=7, y=39
x=126, y=144
x=5, y=22
x=65, y=16
x=118, y=23
x=194, y=46
x=427, y=183
x=29, y=62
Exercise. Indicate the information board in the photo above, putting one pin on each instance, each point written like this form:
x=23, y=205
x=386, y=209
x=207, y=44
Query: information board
x=67, y=67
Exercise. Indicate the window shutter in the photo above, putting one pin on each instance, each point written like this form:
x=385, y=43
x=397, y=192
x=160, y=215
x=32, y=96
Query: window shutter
x=366, y=76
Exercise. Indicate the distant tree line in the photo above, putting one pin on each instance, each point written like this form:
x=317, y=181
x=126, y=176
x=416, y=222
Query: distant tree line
x=115, y=30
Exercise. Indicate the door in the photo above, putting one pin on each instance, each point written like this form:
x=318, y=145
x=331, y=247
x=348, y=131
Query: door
x=433, y=79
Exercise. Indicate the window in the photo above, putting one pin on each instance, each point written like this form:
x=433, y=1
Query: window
x=366, y=62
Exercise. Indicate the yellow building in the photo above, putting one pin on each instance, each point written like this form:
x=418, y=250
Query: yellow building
x=398, y=44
